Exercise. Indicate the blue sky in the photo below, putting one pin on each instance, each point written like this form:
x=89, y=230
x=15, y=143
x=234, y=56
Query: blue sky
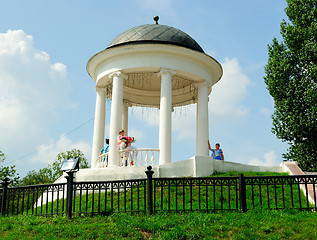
x=47, y=99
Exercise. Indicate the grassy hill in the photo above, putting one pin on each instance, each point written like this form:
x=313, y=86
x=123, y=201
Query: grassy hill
x=254, y=224
x=251, y=225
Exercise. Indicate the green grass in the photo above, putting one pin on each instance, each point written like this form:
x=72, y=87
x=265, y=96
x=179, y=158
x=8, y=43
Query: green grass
x=215, y=196
x=283, y=224
x=236, y=174
x=254, y=224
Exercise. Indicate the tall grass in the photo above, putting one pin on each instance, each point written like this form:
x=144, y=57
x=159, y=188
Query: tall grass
x=254, y=224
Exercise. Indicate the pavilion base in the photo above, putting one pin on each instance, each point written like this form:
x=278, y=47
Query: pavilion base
x=197, y=166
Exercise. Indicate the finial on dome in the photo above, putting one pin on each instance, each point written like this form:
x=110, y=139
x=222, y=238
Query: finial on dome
x=156, y=18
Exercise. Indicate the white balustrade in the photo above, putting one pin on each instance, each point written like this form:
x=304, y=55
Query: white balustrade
x=102, y=160
x=132, y=158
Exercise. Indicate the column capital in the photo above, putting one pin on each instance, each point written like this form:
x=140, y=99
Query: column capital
x=171, y=72
x=127, y=103
x=203, y=83
x=118, y=74
x=100, y=89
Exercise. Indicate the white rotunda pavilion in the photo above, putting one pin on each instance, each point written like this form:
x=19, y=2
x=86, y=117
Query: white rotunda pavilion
x=155, y=66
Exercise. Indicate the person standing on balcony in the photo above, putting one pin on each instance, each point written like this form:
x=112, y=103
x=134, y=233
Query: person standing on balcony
x=105, y=149
x=124, y=142
x=217, y=153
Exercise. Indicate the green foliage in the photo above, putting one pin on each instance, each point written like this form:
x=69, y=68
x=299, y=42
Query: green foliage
x=52, y=172
x=291, y=75
x=74, y=153
x=8, y=171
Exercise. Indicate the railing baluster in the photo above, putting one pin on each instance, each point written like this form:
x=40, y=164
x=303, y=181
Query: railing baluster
x=37, y=194
x=199, y=207
x=93, y=199
x=138, y=197
x=28, y=202
x=141, y=158
x=57, y=201
x=106, y=194
x=184, y=195
x=80, y=197
x=252, y=194
x=52, y=205
x=292, y=198
x=236, y=190
x=314, y=190
x=229, y=197
x=191, y=195
x=152, y=158
x=118, y=195
x=22, y=210
x=176, y=183
x=275, y=193
x=307, y=196
x=162, y=184
x=99, y=197
x=131, y=196
x=86, y=207
x=206, y=196
x=283, y=194
x=63, y=205
x=214, y=195
x=111, y=196
x=169, y=195
x=260, y=194
x=221, y=195
x=147, y=158
x=18, y=200
x=299, y=195
x=33, y=193
x=125, y=196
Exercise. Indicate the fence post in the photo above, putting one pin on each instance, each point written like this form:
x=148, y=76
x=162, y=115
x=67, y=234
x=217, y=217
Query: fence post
x=149, y=186
x=5, y=184
x=69, y=194
x=242, y=194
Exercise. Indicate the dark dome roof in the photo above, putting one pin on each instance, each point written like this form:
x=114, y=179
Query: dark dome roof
x=155, y=33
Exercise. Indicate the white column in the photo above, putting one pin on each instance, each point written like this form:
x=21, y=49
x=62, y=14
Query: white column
x=165, y=133
x=116, y=116
x=99, y=125
x=125, y=117
x=202, y=126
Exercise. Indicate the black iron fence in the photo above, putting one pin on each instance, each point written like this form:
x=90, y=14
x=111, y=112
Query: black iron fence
x=152, y=195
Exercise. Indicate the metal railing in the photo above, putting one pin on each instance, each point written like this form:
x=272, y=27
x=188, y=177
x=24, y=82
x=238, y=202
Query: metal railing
x=152, y=195
x=138, y=157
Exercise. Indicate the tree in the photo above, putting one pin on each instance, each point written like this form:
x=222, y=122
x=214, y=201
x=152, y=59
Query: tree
x=291, y=74
x=8, y=171
x=75, y=153
x=52, y=172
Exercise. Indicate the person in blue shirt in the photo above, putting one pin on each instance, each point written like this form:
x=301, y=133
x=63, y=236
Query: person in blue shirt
x=217, y=153
x=104, y=150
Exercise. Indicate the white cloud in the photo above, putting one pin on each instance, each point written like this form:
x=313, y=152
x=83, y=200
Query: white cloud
x=184, y=122
x=266, y=111
x=227, y=96
x=137, y=134
x=47, y=153
x=269, y=160
x=32, y=91
x=226, y=100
